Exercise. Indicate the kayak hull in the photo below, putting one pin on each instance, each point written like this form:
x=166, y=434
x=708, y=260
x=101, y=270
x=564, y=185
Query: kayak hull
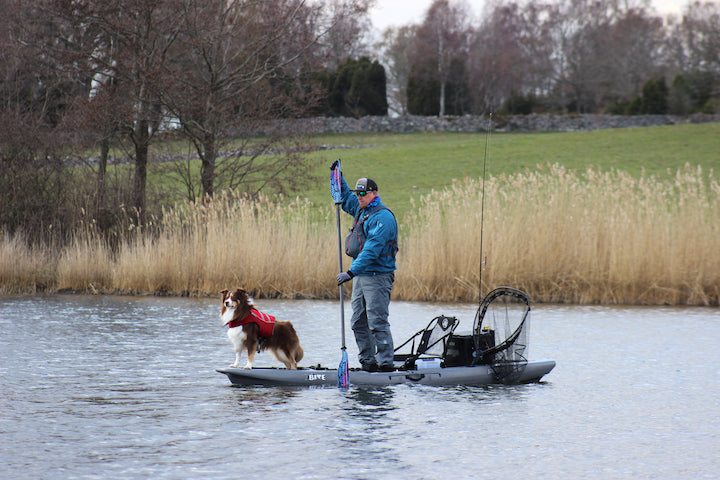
x=437, y=376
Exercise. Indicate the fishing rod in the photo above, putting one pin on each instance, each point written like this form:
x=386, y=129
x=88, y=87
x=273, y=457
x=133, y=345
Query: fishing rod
x=482, y=206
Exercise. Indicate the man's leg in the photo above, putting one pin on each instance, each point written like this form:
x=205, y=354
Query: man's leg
x=376, y=291
x=359, y=324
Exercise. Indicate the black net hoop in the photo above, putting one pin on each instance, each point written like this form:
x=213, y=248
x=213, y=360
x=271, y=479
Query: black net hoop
x=500, y=332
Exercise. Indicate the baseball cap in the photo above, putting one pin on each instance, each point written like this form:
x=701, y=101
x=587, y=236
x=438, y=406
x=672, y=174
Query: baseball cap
x=365, y=185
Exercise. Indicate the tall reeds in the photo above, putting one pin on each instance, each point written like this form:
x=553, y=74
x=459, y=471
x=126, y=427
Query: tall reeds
x=562, y=236
x=24, y=268
x=596, y=237
x=269, y=247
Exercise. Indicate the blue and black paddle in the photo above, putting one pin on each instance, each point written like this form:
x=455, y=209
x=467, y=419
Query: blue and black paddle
x=336, y=189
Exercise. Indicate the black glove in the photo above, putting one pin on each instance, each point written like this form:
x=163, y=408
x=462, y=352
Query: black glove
x=344, y=277
x=334, y=164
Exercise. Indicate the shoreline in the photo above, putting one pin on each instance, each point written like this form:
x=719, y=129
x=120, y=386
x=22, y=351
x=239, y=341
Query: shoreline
x=47, y=292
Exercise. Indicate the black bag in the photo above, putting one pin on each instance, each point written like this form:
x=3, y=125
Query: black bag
x=460, y=351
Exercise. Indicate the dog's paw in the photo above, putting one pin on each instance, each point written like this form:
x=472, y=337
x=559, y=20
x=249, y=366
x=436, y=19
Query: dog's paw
x=248, y=366
x=233, y=365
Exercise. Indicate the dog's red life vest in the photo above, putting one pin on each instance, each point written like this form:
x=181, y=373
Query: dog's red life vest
x=265, y=322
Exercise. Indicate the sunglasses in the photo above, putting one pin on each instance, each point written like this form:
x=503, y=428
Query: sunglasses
x=361, y=194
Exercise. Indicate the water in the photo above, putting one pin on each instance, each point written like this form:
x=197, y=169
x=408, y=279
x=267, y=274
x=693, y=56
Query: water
x=125, y=387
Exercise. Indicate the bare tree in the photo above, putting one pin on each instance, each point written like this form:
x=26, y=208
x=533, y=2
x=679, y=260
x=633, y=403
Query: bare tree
x=497, y=57
x=226, y=59
x=603, y=50
x=632, y=53
x=102, y=72
x=237, y=65
x=345, y=25
x=92, y=117
x=397, y=47
x=132, y=41
x=442, y=38
x=698, y=37
x=536, y=22
x=35, y=92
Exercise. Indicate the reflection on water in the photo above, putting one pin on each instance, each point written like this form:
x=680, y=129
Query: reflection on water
x=258, y=398
x=370, y=406
x=367, y=424
x=368, y=399
x=117, y=387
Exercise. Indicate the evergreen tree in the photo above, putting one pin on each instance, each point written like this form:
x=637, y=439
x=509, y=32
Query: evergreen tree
x=356, y=88
x=679, y=102
x=423, y=93
x=367, y=92
x=655, y=97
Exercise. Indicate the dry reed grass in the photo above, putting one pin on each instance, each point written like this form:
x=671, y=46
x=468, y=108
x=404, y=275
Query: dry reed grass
x=86, y=265
x=269, y=248
x=564, y=237
x=24, y=268
x=595, y=237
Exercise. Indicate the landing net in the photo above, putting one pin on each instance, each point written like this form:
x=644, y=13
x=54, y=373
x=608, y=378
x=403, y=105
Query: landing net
x=501, y=332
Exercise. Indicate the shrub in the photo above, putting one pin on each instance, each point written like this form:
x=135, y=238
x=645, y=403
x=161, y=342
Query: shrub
x=655, y=97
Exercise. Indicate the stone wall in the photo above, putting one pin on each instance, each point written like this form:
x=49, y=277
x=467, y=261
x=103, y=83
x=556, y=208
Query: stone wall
x=471, y=123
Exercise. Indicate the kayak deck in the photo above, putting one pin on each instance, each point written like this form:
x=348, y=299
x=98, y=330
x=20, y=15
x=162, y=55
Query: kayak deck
x=438, y=376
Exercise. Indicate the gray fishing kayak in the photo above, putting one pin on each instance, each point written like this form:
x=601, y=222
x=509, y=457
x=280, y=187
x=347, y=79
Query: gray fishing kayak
x=495, y=351
x=437, y=376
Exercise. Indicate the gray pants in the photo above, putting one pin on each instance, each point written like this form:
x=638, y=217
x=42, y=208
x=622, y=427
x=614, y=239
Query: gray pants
x=370, y=301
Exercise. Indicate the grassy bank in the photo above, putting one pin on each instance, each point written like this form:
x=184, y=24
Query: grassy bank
x=409, y=166
x=642, y=234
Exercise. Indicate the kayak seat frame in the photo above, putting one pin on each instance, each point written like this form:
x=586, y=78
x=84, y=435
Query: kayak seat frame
x=430, y=342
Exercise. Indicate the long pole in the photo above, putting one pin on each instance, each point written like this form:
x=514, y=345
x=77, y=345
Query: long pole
x=482, y=207
x=342, y=309
x=343, y=370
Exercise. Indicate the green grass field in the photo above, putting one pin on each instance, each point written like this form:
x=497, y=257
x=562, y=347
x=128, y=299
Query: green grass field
x=408, y=166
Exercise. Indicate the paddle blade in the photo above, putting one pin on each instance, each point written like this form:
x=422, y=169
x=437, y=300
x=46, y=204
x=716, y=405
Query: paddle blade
x=343, y=373
x=335, y=185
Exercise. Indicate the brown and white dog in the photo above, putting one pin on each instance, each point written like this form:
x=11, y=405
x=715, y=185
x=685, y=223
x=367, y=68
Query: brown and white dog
x=248, y=328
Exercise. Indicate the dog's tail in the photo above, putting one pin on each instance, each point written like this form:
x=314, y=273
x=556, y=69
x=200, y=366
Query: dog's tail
x=299, y=354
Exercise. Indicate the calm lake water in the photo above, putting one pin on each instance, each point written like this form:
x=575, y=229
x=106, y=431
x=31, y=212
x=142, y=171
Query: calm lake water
x=125, y=387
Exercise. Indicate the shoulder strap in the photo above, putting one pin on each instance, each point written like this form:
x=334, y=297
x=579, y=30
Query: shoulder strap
x=370, y=211
x=366, y=214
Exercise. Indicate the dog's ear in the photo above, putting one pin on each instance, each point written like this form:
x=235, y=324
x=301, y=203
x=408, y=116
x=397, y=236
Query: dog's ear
x=224, y=292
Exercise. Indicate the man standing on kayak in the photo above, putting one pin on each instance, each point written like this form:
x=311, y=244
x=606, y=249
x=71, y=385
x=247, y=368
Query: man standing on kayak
x=373, y=244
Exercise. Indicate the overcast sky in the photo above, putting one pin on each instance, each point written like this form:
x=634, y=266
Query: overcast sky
x=404, y=12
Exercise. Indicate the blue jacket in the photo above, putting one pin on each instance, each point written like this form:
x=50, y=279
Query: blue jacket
x=380, y=231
